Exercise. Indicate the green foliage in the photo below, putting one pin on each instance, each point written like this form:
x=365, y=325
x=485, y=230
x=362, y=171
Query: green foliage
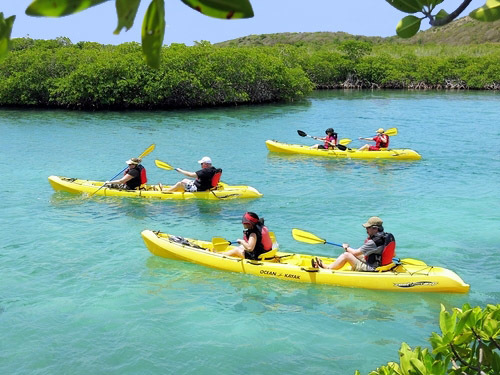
x=59, y=8
x=488, y=13
x=5, y=30
x=408, y=26
x=222, y=8
x=355, y=49
x=126, y=11
x=92, y=76
x=153, y=31
x=468, y=344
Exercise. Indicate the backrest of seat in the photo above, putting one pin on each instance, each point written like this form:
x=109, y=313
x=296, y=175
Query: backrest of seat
x=216, y=178
x=389, y=249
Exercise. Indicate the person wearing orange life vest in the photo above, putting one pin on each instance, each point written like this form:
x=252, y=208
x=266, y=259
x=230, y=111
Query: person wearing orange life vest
x=378, y=249
x=256, y=239
x=133, y=177
x=330, y=140
x=381, y=141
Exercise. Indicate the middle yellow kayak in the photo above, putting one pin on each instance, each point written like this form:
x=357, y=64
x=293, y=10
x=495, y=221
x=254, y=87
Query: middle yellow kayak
x=393, y=154
x=223, y=191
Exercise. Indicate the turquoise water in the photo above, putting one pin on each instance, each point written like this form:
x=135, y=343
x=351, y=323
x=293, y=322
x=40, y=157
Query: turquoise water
x=81, y=294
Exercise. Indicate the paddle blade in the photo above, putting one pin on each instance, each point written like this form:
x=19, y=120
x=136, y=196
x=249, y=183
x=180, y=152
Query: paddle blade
x=220, y=243
x=307, y=237
x=147, y=151
x=163, y=165
x=345, y=141
x=391, y=132
x=341, y=147
x=301, y=133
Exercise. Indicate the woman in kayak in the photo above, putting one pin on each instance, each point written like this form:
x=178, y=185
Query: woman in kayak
x=371, y=255
x=256, y=239
x=381, y=141
x=330, y=140
x=133, y=177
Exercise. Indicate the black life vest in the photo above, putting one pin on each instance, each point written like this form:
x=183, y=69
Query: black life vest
x=139, y=180
x=263, y=243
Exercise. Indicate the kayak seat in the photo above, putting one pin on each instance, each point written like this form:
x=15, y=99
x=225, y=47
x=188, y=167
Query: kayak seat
x=268, y=254
x=389, y=252
x=216, y=179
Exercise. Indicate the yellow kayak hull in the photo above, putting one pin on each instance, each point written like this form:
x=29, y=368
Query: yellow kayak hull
x=223, y=191
x=392, y=154
x=297, y=267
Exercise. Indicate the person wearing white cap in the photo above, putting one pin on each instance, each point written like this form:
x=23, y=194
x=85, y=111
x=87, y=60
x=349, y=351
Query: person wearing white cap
x=203, y=177
x=381, y=141
x=370, y=255
x=133, y=177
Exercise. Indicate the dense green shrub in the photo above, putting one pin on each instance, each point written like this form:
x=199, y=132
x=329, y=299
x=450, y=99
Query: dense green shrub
x=89, y=75
x=92, y=76
x=469, y=343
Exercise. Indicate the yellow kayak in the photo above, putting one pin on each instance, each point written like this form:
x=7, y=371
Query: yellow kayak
x=409, y=276
x=393, y=154
x=223, y=191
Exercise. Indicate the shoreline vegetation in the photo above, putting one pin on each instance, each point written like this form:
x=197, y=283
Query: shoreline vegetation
x=90, y=76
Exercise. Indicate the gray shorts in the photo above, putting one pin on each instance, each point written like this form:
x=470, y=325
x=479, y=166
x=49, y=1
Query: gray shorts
x=190, y=187
x=362, y=266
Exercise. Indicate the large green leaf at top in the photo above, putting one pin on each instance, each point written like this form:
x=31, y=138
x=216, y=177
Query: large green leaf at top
x=407, y=6
x=488, y=12
x=5, y=31
x=408, y=26
x=153, y=31
x=59, y=8
x=126, y=11
x=226, y=9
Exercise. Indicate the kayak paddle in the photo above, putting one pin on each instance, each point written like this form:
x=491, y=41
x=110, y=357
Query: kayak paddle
x=390, y=132
x=141, y=156
x=304, y=134
x=220, y=243
x=308, y=237
x=163, y=165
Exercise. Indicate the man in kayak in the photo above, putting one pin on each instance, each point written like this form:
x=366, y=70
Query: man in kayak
x=203, y=178
x=330, y=140
x=381, y=141
x=369, y=256
x=133, y=177
x=256, y=238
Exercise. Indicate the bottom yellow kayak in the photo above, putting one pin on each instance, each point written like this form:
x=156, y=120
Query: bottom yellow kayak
x=409, y=276
x=393, y=154
x=223, y=191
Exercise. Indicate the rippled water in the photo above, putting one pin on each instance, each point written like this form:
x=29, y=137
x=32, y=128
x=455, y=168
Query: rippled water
x=80, y=293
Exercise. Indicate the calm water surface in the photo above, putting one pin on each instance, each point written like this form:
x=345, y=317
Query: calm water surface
x=81, y=294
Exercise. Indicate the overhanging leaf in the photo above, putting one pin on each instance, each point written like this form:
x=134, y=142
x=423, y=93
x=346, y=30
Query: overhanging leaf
x=153, y=31
x=431, y=3
x=126, y=11
x=225, y=9
x=441, y=14
x=407, y=6
x=59, y=8
x=408, y=26
x=488, y=12
x=5, y=31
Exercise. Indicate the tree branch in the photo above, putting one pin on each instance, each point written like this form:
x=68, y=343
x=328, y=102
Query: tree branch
x=451, y=16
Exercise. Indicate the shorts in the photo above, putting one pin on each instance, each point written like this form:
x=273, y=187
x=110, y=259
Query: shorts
x=374, y=148
x=362, y=267
x=190, y=187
